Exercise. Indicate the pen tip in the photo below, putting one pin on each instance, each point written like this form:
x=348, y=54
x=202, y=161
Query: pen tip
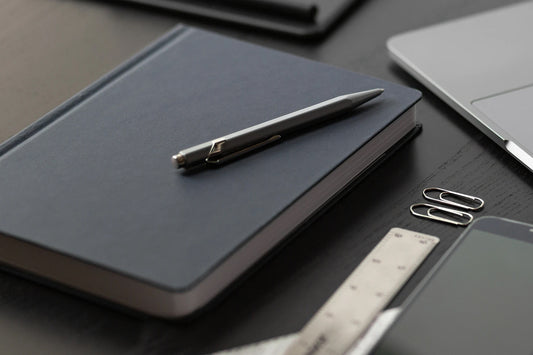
x=374, y=92
x=360, y=98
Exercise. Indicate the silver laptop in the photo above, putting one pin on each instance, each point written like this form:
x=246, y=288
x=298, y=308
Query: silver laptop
x=482, y=66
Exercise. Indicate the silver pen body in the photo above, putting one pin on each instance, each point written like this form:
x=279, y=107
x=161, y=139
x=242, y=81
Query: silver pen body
x=264, y=132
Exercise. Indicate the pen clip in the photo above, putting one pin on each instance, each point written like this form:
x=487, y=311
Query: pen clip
x=216, y=154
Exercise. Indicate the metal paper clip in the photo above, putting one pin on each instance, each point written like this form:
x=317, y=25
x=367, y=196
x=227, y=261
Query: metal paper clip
x=462, y=218
x=474, y=203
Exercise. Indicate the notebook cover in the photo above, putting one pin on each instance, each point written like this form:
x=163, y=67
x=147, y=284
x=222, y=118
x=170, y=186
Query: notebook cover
x=93, y=179
x=290, y=22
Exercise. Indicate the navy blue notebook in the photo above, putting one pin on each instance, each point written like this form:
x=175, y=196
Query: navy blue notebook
x=89, y=197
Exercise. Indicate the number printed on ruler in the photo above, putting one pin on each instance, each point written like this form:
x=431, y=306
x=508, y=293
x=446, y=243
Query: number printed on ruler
x=357, y=302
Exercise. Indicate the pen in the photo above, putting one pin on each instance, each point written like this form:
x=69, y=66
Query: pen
x=223, y=149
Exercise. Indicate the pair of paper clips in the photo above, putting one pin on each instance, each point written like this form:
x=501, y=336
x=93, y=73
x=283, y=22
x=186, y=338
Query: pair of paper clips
x=448, y=198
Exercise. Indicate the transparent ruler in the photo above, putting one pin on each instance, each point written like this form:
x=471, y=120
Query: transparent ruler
x=354, y=306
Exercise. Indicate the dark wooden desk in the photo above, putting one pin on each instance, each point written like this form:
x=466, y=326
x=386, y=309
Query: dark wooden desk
x=50, y=49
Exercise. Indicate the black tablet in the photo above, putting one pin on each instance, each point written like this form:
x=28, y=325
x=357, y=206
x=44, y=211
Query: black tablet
x=477, y=300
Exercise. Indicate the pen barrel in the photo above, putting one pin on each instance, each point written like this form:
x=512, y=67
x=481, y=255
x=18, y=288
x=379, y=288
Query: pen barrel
x=292, y=122
x=279, y=126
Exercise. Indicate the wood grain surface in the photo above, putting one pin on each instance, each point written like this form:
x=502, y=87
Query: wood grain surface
x=50, y=49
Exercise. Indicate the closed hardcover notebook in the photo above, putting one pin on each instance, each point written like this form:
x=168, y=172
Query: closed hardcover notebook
x=295, y=17
x=89, y=197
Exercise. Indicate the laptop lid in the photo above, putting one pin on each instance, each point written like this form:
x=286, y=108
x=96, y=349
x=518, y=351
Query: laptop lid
x=481, y=65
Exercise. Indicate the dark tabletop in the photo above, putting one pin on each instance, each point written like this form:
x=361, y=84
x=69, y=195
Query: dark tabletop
x=50, y=49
